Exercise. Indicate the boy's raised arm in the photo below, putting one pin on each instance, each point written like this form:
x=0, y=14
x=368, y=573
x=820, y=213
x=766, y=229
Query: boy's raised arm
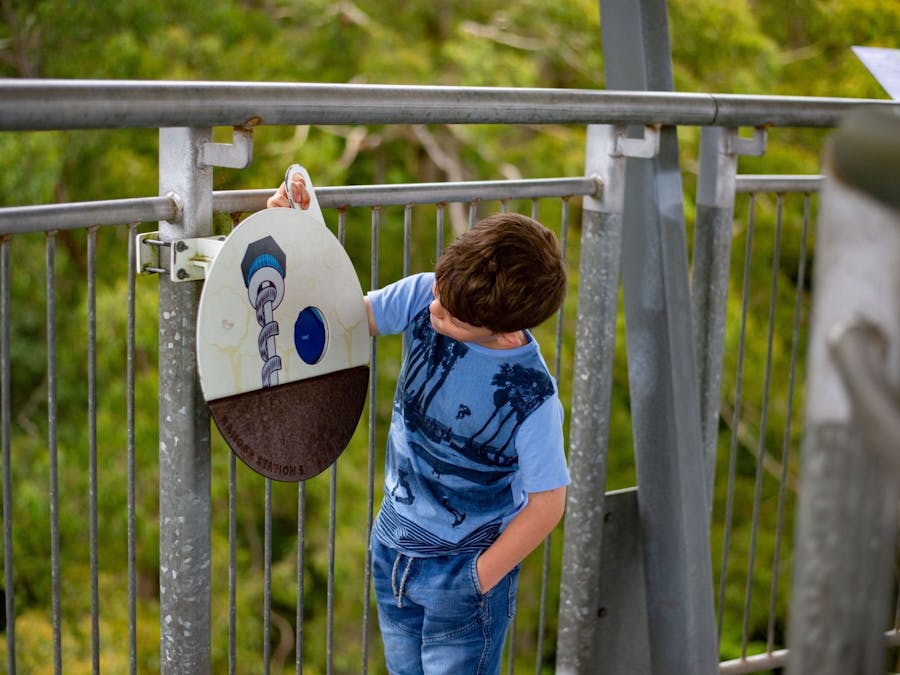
x=373, y=327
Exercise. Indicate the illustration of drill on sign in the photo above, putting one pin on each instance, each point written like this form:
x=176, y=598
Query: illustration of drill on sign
x=283, y=342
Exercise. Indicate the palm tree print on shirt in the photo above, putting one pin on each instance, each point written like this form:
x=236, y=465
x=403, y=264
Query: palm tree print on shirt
x=519, y=392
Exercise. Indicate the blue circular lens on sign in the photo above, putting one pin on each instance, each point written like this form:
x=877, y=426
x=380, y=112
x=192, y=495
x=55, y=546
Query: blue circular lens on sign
x=309, y=335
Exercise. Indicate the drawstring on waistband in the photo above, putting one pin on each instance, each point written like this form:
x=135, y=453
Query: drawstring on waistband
x=398, y=591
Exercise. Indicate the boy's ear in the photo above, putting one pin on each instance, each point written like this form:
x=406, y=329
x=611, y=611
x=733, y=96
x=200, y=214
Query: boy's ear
x=509, y=340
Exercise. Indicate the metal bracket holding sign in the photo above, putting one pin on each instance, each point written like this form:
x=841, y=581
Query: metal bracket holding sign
x=192, y=258
x=186, y=260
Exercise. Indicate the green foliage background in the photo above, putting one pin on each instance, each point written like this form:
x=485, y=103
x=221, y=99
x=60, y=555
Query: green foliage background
x=734, y=46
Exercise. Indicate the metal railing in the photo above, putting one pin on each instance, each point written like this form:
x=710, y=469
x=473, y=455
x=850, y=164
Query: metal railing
x=194, y=106
x=341, y=204
x=773, y=463
x=92, y=104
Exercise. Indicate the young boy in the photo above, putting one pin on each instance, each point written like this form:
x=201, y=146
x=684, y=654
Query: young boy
x=475, y=470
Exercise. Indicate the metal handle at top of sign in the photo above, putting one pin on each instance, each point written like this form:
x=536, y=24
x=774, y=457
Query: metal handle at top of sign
x=313, y=209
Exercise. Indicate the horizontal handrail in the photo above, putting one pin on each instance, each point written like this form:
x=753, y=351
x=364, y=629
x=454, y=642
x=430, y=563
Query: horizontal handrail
x=420, y=193
x=72, y=215
x=75, y=215
x=754, y=664
x=115, y=104
x=777, y=183
x=779, y=658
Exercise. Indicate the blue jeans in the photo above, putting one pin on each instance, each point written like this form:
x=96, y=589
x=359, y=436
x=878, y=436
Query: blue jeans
x=434, y=618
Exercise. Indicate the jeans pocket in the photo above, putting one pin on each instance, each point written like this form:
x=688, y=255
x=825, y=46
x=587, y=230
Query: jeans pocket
x=473, y=573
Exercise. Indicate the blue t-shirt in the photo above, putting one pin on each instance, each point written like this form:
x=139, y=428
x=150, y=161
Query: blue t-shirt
x=473, y=431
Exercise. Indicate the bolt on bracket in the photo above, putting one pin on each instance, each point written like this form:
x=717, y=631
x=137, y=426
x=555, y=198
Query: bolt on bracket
x=147, y=257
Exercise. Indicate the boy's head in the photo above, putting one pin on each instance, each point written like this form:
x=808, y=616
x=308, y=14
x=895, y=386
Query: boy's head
x=506, y=274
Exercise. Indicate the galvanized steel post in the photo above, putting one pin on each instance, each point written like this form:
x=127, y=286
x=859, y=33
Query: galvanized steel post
x=845, y=542
x=709, y=283
x=184, y=432
x=595, y=339
x=672, y=501
x=719, y=150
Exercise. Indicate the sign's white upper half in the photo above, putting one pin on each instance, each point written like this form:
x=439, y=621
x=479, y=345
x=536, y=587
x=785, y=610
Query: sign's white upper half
x=281, y=303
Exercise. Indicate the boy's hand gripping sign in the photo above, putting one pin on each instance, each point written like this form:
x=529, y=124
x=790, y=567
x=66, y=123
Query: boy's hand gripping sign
x=283, y=342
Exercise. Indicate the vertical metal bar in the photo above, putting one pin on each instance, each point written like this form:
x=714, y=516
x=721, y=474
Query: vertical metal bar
x=332, y=530
x=665, y=398
x=407, y=237
x=542, y=611
x=473, y=213
x=785, y=448
x=557, y=370
x=763, y=425
x=560, y=315
x=232, y=564
x=301, y=548
x=736, y=417
x=332, y=517
x=370, y=483
x=130, y=421
x=92, y=441
x=511, y=653
x=184, y=445
x=407, y=253
x=53, y=451
x=709, y=283
x=342, y=227
x=595, y=339
x=439, y=231
x=267, y=578
x=5, y=418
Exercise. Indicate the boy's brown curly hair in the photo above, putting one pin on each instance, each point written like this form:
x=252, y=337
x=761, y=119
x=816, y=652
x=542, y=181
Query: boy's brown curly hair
x=507, y=273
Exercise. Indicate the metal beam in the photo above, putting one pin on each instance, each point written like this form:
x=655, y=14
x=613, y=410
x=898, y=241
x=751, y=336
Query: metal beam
x=595, y=340
x=672, y=500
x=719, y=151
x=117, y=104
